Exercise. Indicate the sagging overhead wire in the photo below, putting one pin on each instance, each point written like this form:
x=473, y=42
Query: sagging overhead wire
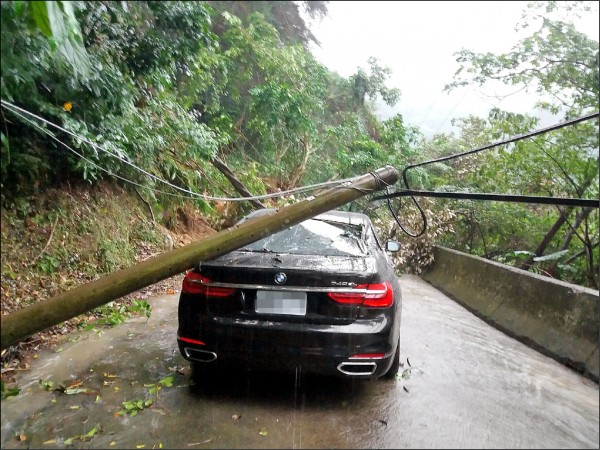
x=50, y=134
x=582, y=202
x=20, y=112
x=480, y=196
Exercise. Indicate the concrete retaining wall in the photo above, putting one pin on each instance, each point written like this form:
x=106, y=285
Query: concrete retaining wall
x=558, y=319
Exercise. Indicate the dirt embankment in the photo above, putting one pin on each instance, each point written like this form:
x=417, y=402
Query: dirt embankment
x=63, y=238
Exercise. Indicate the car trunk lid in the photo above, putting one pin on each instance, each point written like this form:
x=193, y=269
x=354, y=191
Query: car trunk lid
x=287, y=287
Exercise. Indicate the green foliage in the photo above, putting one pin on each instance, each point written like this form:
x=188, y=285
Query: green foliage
x=285, y=17
x=132, y=407
x=171, y=85
x=91, y=433
x=155, y=387
x=141, y=307
x=373, y=84
x=561, y=65
x=556, y=60
x=9, y=392
x=48, y=264
x=359, y=157
x=47, y=385
x=56, y=20
x=130, y=102
x=113, y=314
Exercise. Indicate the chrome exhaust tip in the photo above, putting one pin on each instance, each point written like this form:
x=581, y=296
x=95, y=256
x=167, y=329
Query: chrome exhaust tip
x=200, y=355
x=357, y=368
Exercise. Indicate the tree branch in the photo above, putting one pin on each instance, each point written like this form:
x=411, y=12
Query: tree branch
x=578, y=254
x=47, y=242
x=147, y=204
x=237, y=184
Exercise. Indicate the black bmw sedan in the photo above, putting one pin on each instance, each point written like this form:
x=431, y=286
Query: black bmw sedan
x=319, y=297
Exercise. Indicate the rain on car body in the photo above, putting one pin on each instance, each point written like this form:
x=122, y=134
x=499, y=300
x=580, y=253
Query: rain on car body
x=321, y=296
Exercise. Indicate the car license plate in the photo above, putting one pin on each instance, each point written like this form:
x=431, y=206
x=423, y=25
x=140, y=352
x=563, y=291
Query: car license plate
x=281, y=302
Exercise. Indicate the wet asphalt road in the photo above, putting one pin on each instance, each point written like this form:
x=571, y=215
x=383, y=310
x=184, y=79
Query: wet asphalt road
x=467, y=386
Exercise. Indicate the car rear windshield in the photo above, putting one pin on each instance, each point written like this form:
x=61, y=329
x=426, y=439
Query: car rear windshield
x=314, y=237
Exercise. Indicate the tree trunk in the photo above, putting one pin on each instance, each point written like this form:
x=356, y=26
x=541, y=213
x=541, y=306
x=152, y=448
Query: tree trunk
x=237, y=184
x=302, y=165
x=581, y=215
x=541, y=248
x=581, y=253
x=27, y=321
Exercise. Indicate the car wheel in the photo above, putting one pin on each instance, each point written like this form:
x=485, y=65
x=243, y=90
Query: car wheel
x=395, y=367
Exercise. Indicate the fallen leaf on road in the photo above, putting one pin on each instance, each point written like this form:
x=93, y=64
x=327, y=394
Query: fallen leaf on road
x=199, y=443
x=51, y=441
x=236, y=416
x=262, y=432
x=46, y=384
x=76, y=391
x=90, y=434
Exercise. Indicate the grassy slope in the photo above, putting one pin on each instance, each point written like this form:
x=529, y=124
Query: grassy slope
x=63, y=238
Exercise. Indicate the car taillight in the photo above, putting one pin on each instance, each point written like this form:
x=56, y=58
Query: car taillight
x=195, y=283
x=368, y=356
x=193, y=341
x=377, y=295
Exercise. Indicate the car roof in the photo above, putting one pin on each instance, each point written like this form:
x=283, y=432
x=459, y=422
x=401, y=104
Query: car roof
x=353, y=218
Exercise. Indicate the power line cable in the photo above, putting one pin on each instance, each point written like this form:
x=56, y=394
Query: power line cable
x=429, y=111
x=13, y=108
x=452, y=110
x=510, y=140
x=49, y=133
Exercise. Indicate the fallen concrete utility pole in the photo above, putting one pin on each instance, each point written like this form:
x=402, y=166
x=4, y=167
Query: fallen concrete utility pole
x=27, y=321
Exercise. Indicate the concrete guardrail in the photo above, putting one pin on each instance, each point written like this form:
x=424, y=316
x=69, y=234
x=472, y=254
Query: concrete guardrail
x=556, y=318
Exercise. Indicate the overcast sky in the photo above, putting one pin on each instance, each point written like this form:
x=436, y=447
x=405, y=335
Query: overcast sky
x=417, y=41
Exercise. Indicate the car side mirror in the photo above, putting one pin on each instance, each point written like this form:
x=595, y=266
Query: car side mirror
x=392, y=246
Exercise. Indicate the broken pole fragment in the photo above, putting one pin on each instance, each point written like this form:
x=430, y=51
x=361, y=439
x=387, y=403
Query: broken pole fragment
x=27, y=321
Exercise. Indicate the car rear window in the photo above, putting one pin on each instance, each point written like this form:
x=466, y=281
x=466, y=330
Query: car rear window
x=314, y=237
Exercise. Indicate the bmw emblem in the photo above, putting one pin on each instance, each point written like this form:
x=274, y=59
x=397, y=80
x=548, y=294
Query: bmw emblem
x=280, y=278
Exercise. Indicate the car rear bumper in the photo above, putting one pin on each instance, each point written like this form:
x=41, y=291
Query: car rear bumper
x=363, y=349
